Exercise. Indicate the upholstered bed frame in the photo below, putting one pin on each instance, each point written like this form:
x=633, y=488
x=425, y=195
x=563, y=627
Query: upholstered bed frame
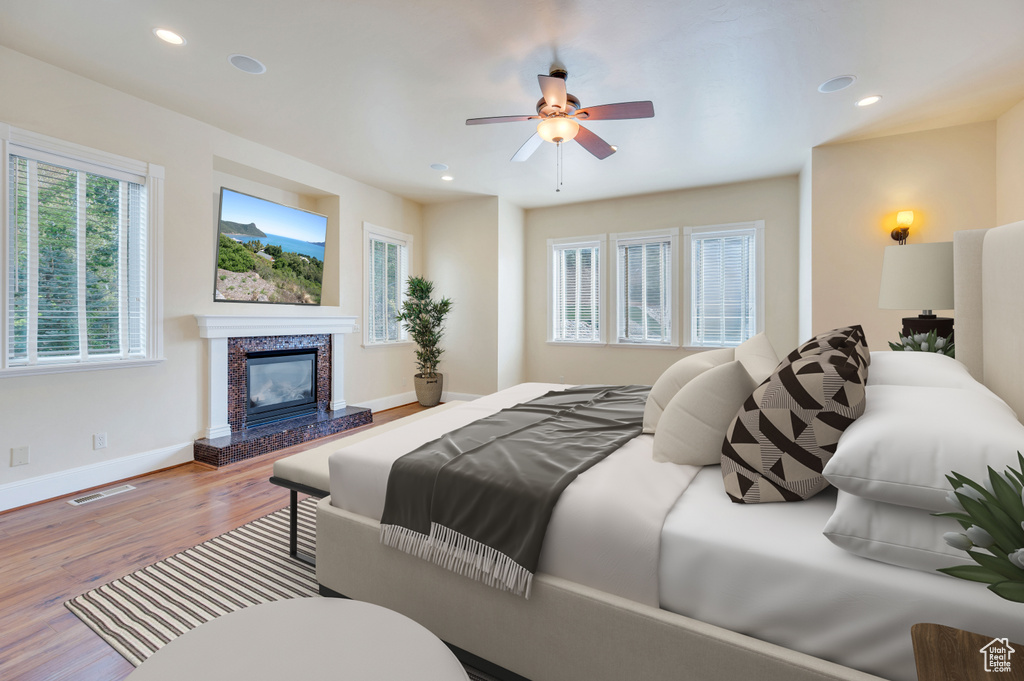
x=568, y=632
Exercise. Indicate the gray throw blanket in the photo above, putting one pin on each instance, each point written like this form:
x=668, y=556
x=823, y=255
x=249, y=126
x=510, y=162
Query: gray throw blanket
x=477, y=501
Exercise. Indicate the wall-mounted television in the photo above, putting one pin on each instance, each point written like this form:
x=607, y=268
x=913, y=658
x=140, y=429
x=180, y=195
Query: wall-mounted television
x=268, y=252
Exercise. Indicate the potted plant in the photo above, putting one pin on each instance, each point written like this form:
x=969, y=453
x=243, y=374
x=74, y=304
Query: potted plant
x=423, y=318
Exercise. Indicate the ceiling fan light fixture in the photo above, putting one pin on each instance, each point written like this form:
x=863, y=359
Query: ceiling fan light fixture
x=558, y=129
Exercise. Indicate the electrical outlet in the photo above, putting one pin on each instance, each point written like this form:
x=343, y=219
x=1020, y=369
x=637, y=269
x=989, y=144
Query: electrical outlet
x=561, y=379
x=99, y=441
x=19, y=456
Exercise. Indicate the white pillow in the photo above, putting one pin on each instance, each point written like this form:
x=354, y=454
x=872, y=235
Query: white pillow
x=675, y=377
x=922, y=369
x=692, y=428
x=910, y=437
x=898, y=535
x=758, y=357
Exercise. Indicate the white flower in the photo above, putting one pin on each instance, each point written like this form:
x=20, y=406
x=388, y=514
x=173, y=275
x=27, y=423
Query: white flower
x=1017, y=558
x=953, y=501
x=970, y=493
x=924, y=347
x=958, y=540
x=940, y=343
x=907, y=348
x=980, y=536
x=920, y=337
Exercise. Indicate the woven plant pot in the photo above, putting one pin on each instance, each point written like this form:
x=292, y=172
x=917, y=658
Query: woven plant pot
x=428, y=389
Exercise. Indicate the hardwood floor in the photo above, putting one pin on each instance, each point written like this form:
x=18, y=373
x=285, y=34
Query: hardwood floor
x=53, y=551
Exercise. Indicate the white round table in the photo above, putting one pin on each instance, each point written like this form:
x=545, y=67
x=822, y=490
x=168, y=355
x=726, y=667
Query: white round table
x=320, y=638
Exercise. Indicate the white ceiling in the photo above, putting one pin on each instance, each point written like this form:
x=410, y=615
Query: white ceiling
x=380, y=90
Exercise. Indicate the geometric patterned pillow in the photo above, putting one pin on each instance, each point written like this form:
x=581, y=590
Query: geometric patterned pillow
x=787, y=430
x=849, y=339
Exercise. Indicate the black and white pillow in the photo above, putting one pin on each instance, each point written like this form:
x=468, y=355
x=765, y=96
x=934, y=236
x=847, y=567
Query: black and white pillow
x=778, y=444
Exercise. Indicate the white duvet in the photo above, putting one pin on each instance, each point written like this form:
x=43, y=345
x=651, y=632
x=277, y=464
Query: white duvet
x=605, y=530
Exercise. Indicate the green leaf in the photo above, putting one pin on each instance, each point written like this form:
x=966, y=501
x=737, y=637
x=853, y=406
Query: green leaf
x=1009, y=499
x=1011, y=591
x=985, y=516
x=973, y=573
x=964, y=520
x=1000, y=565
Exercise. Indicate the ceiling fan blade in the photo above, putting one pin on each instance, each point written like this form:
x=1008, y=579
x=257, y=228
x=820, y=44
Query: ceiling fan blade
x=618, y=111
x=530, y=146
x=594, y=144
x=553, y=89
x=498, y=119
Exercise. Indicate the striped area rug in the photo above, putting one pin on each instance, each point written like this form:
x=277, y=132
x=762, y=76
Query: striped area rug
x=143, y=611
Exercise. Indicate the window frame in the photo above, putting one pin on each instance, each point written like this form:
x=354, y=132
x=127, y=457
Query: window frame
x=14, y=141
x=651, y=236
x=689, y=233
x=372, y=233
x=600, y=241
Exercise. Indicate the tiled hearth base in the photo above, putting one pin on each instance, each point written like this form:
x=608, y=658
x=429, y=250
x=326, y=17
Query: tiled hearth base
x=252, y=442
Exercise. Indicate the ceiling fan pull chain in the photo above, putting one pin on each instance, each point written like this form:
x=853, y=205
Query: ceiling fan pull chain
x=558, y=166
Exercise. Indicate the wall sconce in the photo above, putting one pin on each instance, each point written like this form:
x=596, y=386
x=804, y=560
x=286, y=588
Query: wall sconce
x=904, y=219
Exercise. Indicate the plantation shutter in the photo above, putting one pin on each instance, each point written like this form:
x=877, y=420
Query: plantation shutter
x=389, y=270
x=76, y=261
x=723, y=284
x=644, y=272
x=577, y=292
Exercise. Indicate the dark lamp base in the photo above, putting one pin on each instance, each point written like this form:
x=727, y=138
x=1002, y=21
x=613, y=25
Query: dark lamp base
x=926, y=323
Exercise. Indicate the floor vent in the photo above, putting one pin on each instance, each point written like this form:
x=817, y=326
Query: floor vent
x=100, y=495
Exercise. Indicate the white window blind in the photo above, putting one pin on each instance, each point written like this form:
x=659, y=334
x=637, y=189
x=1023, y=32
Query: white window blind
x=576, y=292
x=76, y=261
x=644, y=290
x=387, y=273
x=725, y=285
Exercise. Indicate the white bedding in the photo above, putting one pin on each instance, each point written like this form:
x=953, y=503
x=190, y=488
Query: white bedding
x=767, y=571
x=606, y=527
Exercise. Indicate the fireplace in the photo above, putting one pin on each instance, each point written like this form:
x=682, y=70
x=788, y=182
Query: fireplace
x=279, y=385
x=233, y=431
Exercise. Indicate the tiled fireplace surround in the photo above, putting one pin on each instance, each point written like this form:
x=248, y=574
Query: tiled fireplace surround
x=229, y=339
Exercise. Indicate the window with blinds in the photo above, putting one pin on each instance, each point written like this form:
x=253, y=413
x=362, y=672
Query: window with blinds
x=644, y=283
x=576, y=292
x=387, y=270
x=725, y=306
x=76, y=261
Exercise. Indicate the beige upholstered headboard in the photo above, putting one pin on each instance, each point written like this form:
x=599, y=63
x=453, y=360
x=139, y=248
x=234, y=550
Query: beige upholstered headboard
x=989, y=302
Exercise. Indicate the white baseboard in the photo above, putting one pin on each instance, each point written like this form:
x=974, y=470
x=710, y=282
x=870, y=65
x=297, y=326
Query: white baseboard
x=392, y=401
x=52, y=485
x=465, y=397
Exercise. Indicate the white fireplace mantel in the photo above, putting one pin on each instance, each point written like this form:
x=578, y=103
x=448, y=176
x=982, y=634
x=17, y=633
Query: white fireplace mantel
x=217, y=329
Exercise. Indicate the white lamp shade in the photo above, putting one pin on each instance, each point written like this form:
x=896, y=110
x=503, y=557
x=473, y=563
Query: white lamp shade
x=917, y=277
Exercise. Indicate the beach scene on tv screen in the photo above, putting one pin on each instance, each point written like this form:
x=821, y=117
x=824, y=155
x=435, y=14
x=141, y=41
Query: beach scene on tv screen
x=267, y=252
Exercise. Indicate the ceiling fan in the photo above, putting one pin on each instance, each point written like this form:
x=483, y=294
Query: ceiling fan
x=560, y=115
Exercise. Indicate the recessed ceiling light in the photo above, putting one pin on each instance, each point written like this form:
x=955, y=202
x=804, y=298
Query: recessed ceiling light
x=868, y=101
x=439, y=166
x=836, y=84
x=168, y=36
x=248, y=64
x=447, y=178
x=614, y=147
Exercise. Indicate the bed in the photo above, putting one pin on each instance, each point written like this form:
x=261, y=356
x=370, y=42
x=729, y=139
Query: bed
x=808, y=610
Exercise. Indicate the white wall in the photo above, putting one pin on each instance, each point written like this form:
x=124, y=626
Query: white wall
x=773, y=200
x=160, y=410
x=1010, y=165
x=461, y=258
x=946, y=176
x=806, y=282
x=511, y=292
